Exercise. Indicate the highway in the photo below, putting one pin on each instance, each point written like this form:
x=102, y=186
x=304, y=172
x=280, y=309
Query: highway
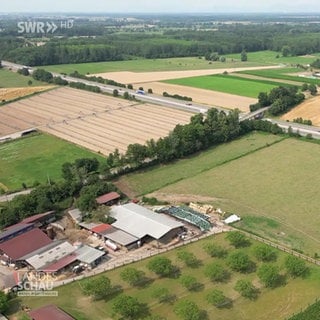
x=150, y=98
x=303, y=130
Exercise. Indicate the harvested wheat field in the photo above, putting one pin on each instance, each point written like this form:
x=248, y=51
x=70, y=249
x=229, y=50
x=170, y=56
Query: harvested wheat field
x=141, y=77
x=14, y=93
x=212, y=98
x=94, y=121
x=307, y=110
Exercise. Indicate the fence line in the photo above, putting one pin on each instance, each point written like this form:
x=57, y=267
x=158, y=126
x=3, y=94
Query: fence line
x=281, y=247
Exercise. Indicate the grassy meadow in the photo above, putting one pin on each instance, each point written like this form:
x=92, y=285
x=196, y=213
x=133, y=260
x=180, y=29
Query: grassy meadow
x=277, y=303
x=36, y=158
x=9, y=79
x=273, y=57
x=155, y=178
x=228, y=84
x=149, y=65
x=278, y=183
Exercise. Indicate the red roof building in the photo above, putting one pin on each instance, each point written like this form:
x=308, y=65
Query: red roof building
x=25, y=243
x=62, y=263
x=108, y=197
x=49, y=312
x=38, y=217
x=101, y=228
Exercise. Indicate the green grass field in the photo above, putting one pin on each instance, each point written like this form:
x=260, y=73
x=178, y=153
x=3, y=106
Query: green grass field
x=228, y=84
x=270, y=57
x=158, y=177
x=9, y=79
x=149, y=65
x=278, y=303
x=36, y=158
x=283, y=74
x=279, y=183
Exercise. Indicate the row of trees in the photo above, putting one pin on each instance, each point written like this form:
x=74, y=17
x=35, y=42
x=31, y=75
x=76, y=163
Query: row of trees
x=176, y=96
x=202, y=132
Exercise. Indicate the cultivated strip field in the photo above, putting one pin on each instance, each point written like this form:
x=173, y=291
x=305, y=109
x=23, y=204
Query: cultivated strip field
x=308, y=110
x=210, y=97
x=140, y=77
x=94, y=121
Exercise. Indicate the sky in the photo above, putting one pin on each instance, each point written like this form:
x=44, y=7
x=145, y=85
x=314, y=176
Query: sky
x=160, y=6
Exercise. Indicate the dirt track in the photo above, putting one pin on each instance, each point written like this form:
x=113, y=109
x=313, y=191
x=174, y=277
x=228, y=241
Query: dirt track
x=212, y=98
x=94, y=121
x=307, y=110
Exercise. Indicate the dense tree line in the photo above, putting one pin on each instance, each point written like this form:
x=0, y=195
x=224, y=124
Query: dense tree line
x=281, y=99
x=111, y=46
x=201, y=133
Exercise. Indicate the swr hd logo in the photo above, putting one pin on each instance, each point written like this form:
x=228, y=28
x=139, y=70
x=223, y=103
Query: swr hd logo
x=43, y=27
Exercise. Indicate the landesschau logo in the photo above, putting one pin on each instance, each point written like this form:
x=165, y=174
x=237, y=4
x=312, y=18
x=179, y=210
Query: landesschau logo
x=36, y=283
x=43, y=27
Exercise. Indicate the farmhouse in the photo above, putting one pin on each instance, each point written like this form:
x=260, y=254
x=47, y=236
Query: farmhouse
x=143, y=223
x=49, y=312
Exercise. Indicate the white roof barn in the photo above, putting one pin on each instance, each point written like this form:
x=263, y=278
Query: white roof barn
x=141, y=222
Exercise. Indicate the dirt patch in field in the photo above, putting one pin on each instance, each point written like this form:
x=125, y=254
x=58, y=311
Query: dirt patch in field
x=182, y=198
x=209, y=97
x=308, y=110
x=141, y=77
x=8, y=94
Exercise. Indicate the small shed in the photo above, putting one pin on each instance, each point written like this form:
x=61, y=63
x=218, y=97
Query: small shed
x=108, y=198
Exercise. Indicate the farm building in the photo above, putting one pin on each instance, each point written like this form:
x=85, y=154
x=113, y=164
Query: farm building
x=40, y=219
x=49, y=312
x=89, y=255
x=190, y=216
x=14, y=231
x=47, y=255
x=143, y=223
x=23, y=244
x=108, y=198
x=27, y=224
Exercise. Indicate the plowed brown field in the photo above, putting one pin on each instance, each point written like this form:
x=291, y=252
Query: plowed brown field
x=308, y=110
x=97, y=122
